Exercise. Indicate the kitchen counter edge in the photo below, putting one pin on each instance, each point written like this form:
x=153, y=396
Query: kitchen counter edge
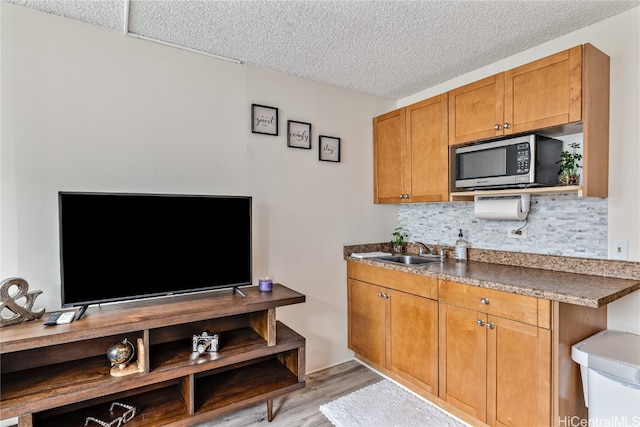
x=572, y=288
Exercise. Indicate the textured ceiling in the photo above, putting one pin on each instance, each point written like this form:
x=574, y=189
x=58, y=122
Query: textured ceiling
x=386, y=48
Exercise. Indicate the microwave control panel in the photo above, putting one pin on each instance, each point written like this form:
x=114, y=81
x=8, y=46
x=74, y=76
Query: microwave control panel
x=522, y=158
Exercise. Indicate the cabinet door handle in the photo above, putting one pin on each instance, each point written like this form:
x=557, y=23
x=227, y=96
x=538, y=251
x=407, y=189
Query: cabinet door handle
x=484, y=301
x=490, y=325
x=507, y=126
x=497, y=127
x=480, y=322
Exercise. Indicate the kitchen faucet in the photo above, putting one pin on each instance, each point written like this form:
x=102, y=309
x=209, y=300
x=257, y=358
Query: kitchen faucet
x=425, y=246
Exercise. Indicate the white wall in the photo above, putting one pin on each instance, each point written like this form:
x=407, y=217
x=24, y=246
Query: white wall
x=618, y=37
x=86, y=108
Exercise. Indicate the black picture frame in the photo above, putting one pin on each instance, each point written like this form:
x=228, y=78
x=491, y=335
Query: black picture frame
x=264, y=119
x=298, y=134
x=328, y=148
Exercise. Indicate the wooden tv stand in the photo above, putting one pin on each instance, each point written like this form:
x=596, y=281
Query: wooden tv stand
x=59, y=375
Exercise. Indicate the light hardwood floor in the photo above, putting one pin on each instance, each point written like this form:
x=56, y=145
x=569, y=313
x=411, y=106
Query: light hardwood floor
x=301, y=408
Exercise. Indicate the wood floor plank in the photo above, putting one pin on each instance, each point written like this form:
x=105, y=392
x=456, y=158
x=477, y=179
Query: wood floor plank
x=301, y=408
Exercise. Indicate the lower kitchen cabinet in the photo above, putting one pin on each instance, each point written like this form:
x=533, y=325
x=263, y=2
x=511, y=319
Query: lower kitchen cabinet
x=496, y=369
x=463, y=368
x=412, y=343
x=367, y=321
x=393, y=330
x=492, y=356
x=518, y=373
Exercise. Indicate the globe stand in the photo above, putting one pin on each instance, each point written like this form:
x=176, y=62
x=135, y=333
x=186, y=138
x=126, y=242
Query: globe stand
x=124, y=369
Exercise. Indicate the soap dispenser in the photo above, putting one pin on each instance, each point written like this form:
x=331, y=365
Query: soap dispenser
x=461, y=247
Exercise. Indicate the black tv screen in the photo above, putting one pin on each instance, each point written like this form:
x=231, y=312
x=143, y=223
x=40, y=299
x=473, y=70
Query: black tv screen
x=116, y=247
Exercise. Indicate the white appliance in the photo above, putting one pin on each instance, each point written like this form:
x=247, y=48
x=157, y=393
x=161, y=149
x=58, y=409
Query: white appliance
x=610, y=369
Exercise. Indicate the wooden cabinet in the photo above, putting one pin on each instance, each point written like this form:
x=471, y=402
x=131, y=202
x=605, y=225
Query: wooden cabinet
x=476, y=110
x=428, y=149
x=495, y=355
x=463, y=368
x=259, y=359
x=393, y=324
x=538, y=95
x=564, y=93
x=412, y=343
x=544, y=93
x=411, y=154
x=367, y=321
x=389, y=157
x=547, y=95
x=502, y=358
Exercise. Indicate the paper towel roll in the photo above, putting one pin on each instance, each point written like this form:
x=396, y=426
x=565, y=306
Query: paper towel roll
x=503, y=208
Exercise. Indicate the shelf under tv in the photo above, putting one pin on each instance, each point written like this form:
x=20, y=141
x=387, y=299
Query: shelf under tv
x=259, y=359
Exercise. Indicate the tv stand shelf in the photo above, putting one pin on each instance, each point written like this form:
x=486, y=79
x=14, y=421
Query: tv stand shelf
x=60, y=375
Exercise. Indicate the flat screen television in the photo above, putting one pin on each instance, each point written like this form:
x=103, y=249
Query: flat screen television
x=122, y=246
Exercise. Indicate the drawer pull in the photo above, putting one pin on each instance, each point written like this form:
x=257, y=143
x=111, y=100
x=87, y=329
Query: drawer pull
x=480, y=322
x=484, y=301
x=490, y=325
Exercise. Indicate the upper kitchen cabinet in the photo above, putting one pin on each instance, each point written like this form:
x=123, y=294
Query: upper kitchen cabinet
x=570, y=87
x=541, y=94
x=476, y=110
x=389, y=157
x=544, y=93
x=411, y=153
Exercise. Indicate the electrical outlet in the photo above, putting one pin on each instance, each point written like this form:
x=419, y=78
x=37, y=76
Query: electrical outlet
x=620, y=249
x=517, y=233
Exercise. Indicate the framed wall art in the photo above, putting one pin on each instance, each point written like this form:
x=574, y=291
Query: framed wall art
x=329, y=148
x=298, y=134
x=264, y=119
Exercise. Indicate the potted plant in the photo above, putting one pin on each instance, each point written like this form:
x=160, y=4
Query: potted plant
x=398, y=240
x=569, y=166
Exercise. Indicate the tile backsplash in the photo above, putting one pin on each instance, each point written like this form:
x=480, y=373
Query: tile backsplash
x=558, y=224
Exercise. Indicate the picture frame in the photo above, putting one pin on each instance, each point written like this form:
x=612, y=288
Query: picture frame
x=329, y=148
x=264, y=119
x=298, y=134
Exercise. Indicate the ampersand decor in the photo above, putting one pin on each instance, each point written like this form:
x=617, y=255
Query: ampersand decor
x=9, y=303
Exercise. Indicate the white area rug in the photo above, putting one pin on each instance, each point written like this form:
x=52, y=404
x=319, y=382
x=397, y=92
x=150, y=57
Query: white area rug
x=386, y=404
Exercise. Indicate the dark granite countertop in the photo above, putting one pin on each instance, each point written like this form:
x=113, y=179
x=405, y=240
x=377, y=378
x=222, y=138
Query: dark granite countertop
x=588, y=290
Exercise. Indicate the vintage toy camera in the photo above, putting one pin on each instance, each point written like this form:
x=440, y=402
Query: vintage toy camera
x=206, y=343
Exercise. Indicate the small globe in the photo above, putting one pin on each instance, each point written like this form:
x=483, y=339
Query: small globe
x=120, y=353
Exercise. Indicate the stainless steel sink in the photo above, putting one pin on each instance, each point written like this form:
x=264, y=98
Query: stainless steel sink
x=409, y=259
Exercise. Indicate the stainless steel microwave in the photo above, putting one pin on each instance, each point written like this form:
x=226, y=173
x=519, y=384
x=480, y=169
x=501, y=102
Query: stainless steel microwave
x=523, y=161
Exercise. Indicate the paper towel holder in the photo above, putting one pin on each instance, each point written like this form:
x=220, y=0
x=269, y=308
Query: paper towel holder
x=525, y=200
